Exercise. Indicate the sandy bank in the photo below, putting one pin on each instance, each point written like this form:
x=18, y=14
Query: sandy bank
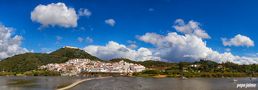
x=78, y=82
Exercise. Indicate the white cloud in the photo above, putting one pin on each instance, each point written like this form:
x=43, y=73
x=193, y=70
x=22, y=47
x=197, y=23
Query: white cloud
x=84, y=12
x=238, y=40
x=80, y=39
x=132, y=44
x=174, y=47
x=110, y=22
x=191, y=27
x=58, y=38
x=54, y=14
x=10, y=45
x=227, y=49
x=191, y=47
x=89, y=40
x=188, y=47
x=177, y=47
x=116, y=50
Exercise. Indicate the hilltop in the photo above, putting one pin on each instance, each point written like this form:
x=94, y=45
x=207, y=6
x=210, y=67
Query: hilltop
x=73, y=52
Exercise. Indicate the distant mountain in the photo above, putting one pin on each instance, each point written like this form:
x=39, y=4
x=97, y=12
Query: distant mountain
x=156, y=64
x=124, y=59
x=31, y=61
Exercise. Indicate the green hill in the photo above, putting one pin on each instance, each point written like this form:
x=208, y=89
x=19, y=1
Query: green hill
x=31, y=61
x=71, y=53
x=125, y=59
x=156, y=64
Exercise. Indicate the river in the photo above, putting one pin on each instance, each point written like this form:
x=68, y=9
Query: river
x=124, y=83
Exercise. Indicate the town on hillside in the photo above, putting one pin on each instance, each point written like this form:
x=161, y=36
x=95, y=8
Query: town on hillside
x=77, y=66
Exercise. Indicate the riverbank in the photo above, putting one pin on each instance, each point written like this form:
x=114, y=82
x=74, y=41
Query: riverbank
x=195, y=75
x=156, y=75
x=80, y=81
x=146, y=73
x=31, y=73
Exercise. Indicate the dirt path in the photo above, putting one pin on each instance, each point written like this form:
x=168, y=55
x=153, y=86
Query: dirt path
x=78, y=82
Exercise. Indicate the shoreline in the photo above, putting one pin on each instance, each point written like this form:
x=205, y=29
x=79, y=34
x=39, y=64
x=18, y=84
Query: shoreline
x=79, y=82
x=145, y=76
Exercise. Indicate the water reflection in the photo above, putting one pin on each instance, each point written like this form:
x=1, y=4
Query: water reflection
x=35, y=83
x=136, y=83
x=123, y=83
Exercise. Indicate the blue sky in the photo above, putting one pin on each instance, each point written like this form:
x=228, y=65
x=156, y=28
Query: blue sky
x=134, y=18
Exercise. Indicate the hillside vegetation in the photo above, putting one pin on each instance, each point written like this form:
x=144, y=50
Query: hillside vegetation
x=31, y=61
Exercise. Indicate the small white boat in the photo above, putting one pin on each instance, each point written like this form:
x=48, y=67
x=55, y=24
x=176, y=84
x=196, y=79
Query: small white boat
x=235, y=80
x=183, y=78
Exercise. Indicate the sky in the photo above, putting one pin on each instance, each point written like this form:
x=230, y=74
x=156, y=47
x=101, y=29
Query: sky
x=166, y=30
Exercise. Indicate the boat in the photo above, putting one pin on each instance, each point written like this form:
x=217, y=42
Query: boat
x=184, y=78
x=235, y=80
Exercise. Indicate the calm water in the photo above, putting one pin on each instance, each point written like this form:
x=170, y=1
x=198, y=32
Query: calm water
x=123, y=83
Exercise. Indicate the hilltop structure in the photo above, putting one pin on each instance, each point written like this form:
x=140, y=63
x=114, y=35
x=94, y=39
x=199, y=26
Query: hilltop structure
x=71, y=47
